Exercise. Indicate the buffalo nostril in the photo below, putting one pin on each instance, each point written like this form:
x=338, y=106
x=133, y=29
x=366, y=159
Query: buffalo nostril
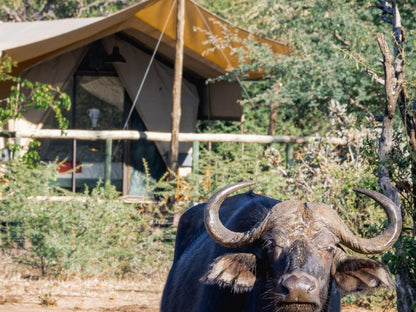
x=297, y=284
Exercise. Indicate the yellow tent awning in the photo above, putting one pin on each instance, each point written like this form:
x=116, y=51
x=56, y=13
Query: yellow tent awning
x=199, y=24
x=31, y=42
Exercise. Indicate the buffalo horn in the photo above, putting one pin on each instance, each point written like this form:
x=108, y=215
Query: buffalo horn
x=377, y=244
x=216, y=228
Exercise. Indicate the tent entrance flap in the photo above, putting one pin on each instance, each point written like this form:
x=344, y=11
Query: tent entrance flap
x=136, y=97
x=154, y=104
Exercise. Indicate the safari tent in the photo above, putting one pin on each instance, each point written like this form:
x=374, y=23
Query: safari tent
x=119, y=73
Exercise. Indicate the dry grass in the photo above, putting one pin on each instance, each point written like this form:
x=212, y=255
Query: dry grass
x=353, y=308
x=18, y=295
x=21, y=290
x=143, y=295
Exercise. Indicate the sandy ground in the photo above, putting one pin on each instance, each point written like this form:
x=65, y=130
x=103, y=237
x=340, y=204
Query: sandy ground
x=143, y=294
x=20, y=295
x=91, y=295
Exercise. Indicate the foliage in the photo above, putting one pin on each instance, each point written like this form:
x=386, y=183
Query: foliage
x=321, y=172
x=323, y=34
x=95, y=235
x=380, y=298
x=31, y=10
x=26, y=95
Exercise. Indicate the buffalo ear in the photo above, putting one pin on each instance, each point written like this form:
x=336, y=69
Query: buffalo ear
x=360, y=274
x=236, y=271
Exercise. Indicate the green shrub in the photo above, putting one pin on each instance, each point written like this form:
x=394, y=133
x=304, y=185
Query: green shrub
x=96, y=234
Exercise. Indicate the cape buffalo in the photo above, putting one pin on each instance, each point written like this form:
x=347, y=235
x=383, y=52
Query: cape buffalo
x=259, y=254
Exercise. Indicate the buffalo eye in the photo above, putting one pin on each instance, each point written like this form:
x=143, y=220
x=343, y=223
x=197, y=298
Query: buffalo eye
x=273, y=249
x=330, y=249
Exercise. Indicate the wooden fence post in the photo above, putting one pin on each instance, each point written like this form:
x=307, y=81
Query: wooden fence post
x=195, y=157
x=16, y=150
x=289, y=155
x=107, y=164
x=74, y=165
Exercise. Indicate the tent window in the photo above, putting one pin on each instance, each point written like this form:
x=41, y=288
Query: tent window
x=97, y=105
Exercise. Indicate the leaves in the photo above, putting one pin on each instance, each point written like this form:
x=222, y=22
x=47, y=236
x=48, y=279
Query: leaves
x=92, y=235
x=32, y=10
x=26, y=95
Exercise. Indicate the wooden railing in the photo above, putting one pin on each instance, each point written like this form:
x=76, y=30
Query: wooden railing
x=110, y=135
x=165, y=136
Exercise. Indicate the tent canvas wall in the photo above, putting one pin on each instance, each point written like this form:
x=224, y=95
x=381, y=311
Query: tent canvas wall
x=72, y=54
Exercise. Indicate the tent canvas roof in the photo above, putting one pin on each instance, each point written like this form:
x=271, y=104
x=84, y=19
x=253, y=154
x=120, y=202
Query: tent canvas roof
x=31, y=42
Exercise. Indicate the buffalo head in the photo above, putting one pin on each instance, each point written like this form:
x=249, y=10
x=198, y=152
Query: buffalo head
x=301, y=262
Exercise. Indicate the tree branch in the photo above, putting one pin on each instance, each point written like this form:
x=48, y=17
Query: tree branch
x=373, y=119
x=393, y=88
x=385, y=7
x=99, y=3
x=375, y=77
x=13, y=15
x=338, y=36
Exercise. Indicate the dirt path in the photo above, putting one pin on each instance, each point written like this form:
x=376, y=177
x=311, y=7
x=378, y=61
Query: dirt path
x=20, y=295
x=91, y=295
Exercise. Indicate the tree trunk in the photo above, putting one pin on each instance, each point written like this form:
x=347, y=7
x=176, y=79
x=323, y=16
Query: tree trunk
x=396, y=94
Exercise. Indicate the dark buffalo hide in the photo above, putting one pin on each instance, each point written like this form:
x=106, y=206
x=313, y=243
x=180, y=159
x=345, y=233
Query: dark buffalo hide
x=296, y=264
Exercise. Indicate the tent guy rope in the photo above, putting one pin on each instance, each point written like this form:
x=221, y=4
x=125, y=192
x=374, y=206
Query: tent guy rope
x=148, y=67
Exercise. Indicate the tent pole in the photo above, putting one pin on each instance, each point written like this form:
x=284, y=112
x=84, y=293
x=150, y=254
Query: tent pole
x=177, y=87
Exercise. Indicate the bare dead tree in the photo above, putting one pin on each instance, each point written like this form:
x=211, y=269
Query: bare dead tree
x=395, y=96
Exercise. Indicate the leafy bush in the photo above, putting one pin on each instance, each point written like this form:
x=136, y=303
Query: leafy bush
x=92, y=235
x=25, y=95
